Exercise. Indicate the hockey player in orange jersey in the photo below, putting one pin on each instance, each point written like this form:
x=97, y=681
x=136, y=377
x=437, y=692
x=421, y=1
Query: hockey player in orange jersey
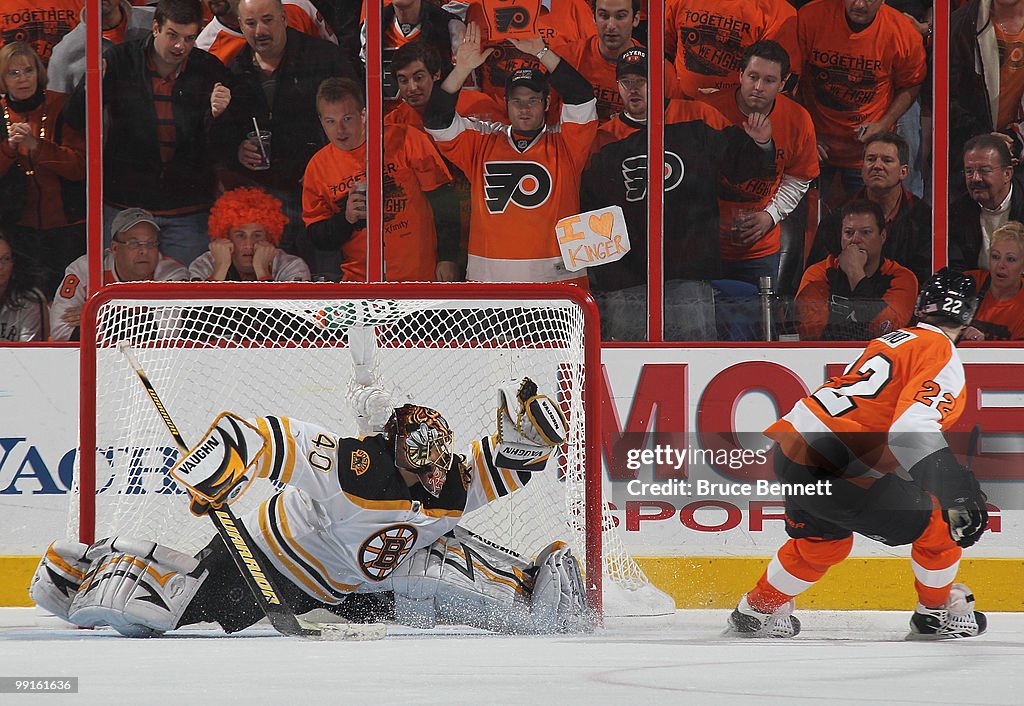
x=873, y=437
x=367, y=514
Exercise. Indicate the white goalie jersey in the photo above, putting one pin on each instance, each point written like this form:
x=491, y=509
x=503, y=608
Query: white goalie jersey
x=347, y=518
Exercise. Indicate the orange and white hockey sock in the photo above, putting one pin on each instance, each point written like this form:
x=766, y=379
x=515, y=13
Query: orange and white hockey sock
x=797, y=565
x=935, y=558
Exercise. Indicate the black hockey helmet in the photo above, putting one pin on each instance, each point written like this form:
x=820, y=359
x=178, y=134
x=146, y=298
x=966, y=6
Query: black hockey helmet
x=423, y=444
x=949, y=294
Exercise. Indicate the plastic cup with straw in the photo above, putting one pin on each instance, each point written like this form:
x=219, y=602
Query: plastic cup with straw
x=262, y=138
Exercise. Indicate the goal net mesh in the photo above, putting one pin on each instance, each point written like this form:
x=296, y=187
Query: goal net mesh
x=291, y=357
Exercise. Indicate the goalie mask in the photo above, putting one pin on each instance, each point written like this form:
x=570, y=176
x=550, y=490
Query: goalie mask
x=423, y=444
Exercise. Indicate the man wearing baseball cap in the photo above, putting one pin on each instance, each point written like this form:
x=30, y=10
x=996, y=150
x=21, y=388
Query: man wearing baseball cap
x=701, y=147
x=134, y=256
x=524, y=177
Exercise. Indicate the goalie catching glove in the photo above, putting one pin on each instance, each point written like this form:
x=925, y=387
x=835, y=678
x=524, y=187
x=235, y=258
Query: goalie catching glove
x=215, y=469
x=529, y=427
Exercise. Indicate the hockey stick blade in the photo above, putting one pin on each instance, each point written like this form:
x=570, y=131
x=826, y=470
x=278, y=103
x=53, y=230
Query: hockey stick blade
x=236, y=537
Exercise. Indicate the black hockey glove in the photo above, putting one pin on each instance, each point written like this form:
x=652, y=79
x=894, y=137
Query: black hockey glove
x=958, y=492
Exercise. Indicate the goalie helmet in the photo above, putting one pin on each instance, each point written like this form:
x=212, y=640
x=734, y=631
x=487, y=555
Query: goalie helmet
x=423, y=444
x=950, y=295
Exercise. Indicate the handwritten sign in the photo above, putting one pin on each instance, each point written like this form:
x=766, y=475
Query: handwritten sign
x=511, y=18
x=592, y=238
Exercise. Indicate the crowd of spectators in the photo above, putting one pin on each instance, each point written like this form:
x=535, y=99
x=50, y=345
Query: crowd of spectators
x=235, y=136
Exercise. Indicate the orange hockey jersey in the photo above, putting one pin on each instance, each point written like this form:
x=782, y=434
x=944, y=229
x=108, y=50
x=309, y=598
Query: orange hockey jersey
x=519, y=193
x=886, y=412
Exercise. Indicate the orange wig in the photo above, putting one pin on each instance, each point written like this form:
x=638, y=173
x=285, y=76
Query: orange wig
x=245, y=205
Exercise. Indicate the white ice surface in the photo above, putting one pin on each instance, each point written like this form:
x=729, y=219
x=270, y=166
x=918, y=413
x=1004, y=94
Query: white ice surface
x=840, y=658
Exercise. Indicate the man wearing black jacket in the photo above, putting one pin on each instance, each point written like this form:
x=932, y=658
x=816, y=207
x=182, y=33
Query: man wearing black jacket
x=274, y=80
x=700, y=145
x=156, y=93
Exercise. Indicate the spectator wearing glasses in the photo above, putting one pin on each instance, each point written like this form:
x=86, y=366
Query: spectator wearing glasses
x=134, y=256
x=994, y=197
x=39, y=151
x=157, y=96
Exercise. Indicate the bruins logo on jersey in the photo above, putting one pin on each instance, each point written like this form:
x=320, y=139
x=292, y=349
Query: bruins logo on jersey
x=383, y=551
x=465, y=473
x=526, y=184
x=360, y=462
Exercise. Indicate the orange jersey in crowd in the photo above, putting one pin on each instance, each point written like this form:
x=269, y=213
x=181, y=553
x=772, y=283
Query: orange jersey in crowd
x=519, y=192
x=39, y=23
x=998, y=320
x=411, y=167
x=564, y=24
x=586, y=57
x=850, y=78
x=888, y=408
x=795, y=154
x=225, y=43
x=707, y=38
x=893, y=287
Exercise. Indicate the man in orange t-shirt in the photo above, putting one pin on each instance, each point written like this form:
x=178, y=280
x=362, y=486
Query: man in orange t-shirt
x=38, y=23
x=706, y=38
x=751, y=211
x=596, y=57
x=864, y=63
x=334, y=191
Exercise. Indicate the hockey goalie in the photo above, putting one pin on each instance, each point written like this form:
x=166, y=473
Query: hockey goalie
x=366, y=527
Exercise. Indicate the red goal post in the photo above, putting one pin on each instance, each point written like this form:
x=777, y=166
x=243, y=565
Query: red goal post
x=282, y=348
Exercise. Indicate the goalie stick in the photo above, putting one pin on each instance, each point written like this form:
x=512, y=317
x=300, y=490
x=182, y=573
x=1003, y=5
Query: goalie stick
x=238, y=540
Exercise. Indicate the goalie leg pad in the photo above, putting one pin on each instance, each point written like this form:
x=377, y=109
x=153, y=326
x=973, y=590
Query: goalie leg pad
x=466, y=580
x=139, y=588
x=559, y=598
x=58, y=576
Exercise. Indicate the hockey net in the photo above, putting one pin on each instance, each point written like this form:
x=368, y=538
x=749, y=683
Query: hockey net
x=284, y=350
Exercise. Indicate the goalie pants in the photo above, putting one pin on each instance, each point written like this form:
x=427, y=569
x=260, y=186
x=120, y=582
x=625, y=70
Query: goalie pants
x=225, y=597
x=892, y=510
